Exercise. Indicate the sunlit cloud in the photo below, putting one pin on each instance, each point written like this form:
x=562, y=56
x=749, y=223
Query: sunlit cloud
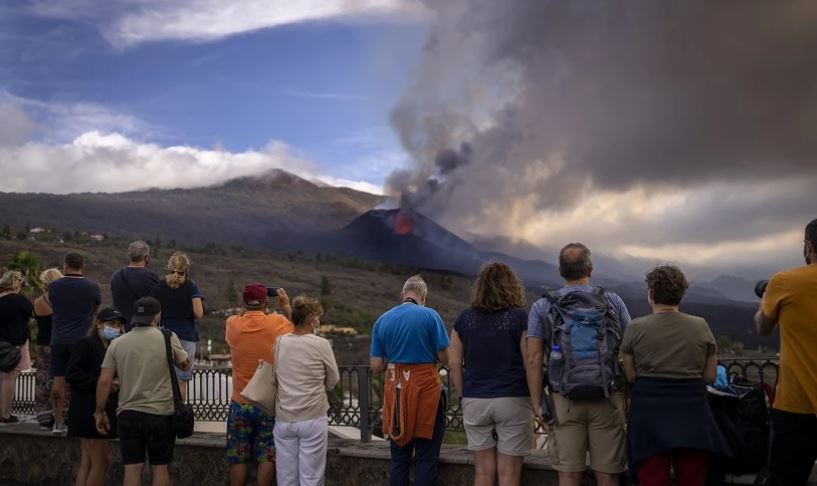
x=130, y=22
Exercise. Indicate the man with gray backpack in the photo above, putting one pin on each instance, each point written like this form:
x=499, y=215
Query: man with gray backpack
x=581, y=327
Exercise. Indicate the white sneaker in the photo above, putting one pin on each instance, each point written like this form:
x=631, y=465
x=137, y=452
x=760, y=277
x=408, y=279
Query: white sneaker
x=59, y=429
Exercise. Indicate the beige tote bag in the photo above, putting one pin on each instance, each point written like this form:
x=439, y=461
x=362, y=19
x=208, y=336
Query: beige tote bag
x=262, y=390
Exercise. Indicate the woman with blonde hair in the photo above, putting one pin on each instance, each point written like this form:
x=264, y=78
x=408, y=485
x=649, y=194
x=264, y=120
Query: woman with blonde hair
x=306, y=368
x=488, y=341
x=15, y=311
x=182, y=304
x=44, y=405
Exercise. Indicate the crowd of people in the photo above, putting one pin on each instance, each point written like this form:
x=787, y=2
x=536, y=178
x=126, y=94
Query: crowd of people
x=627, y=395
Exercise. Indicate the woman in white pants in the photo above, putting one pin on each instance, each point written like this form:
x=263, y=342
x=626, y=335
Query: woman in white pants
x=305, y=367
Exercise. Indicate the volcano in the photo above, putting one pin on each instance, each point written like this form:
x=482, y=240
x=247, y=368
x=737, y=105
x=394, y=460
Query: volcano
x=409, y=238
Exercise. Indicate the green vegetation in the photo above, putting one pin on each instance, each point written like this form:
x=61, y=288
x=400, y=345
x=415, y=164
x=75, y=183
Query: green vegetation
x=354, y=293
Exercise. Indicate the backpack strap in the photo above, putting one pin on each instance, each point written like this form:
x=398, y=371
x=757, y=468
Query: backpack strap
x=552, y=297
x=604, y=346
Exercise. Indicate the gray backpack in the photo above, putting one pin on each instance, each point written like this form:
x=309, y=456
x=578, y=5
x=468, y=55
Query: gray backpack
x=585, y=335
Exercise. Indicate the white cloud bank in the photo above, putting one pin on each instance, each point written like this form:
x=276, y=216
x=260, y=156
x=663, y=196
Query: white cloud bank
x=112, y=162
x=67, y=148
x=130, y=22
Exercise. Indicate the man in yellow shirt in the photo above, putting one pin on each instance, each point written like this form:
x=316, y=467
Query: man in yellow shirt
x=791, y=301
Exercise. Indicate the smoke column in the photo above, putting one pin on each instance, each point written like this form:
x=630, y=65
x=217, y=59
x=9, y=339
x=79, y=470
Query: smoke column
x=546, y=102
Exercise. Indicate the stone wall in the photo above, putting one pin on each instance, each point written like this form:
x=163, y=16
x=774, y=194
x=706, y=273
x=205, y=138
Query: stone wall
x=31, y=457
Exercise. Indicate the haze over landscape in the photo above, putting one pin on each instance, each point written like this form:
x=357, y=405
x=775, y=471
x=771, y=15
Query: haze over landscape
x=653, y=132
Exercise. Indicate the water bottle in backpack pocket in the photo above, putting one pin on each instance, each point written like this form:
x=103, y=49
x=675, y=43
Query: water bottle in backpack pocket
x=556, y=365
x=588, y=335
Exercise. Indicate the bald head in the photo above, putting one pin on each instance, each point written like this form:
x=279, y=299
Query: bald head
x=575, y=262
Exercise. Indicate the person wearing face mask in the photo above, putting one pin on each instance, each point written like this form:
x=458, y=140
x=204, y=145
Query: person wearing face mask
x=82, y=373
x=790, y=302
x=305, y=368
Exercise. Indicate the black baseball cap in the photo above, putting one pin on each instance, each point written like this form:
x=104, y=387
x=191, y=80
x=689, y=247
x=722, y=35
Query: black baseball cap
x=144, y=310
x=109, y=314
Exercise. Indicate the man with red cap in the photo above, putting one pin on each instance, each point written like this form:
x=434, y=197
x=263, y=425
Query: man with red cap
x=251, y=336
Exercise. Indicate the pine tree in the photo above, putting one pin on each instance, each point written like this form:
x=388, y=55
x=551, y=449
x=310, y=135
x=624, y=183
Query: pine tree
x=326, y=285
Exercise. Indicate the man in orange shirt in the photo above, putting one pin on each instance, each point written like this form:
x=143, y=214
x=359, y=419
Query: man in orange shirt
x=251, y=337
x=791, y=301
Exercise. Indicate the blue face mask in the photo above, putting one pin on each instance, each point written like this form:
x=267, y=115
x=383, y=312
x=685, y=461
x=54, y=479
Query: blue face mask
x=110, y=333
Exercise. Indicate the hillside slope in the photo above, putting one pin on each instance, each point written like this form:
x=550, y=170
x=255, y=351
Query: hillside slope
x=245, y=211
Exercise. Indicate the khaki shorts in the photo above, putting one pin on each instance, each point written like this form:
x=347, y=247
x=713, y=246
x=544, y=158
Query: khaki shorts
x=505, y=423
x=596, y=427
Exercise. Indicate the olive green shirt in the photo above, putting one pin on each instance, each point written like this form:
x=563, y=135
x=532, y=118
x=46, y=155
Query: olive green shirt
x=140, y=360
x=669, y=345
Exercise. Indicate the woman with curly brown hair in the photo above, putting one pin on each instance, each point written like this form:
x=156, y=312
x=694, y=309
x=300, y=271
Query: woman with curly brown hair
x=670, y=357
x=488, y=342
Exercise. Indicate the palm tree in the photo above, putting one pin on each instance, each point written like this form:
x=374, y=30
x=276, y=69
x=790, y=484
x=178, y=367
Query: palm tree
x=27, y=264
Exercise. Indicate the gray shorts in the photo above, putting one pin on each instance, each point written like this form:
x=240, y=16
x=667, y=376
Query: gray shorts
x=190, y=348
x=505, y=423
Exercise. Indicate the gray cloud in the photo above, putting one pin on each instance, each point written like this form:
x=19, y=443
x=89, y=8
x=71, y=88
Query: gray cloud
x=559, y=100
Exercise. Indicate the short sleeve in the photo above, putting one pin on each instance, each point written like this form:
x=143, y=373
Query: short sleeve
x=458, y=326
x=26, y=307
x=377, y=350
x=179, y=354
x=196, y=291
x=776, y=292
x=110, y=357
x=627, y=340
x=536, y=319
x=621, y=310
x=708, y=339
x=441, y=335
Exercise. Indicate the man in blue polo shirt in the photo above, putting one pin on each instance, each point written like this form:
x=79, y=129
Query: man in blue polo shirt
x=407, y=342
x=74, y=300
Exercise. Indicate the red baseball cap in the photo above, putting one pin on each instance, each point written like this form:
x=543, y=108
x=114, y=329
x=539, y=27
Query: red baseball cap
x=255, y=294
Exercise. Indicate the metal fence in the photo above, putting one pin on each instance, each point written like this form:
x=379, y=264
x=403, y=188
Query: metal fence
x=357, y=400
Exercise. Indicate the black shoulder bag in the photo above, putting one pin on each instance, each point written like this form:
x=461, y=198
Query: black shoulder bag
x=183, y=418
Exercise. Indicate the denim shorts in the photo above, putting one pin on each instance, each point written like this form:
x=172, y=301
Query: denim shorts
x=190, y=348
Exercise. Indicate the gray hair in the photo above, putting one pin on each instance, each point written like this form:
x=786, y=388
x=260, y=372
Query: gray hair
x=11, y=280
x=415, y=285
x=138, y=251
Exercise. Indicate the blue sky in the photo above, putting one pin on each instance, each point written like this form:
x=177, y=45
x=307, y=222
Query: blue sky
x=321, y=86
